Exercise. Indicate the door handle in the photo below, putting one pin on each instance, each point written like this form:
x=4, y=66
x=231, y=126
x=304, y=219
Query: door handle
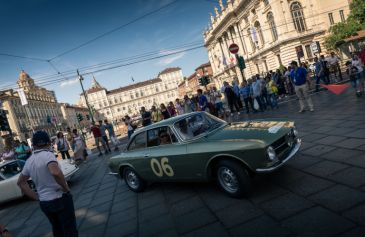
x=146, y=155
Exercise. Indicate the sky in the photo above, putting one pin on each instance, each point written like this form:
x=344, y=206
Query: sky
x=44, y=29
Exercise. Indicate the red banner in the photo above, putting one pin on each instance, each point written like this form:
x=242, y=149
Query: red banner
x=336, y=89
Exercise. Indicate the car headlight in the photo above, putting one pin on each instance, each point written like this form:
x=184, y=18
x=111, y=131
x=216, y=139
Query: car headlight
x=271, y=153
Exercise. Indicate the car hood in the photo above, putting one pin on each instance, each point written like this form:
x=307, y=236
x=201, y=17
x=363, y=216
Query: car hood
x=266, y=131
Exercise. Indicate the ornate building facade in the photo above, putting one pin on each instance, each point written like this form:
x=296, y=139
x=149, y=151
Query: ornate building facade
x=268, y=32
x=69, y=113
x=41, y=113
x=115, y=104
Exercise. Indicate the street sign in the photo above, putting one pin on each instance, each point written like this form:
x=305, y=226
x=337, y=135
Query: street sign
x=315, y=47
x=233, y=48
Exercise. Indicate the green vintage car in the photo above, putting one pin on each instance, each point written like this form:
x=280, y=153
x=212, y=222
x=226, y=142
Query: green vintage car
x=200, y=147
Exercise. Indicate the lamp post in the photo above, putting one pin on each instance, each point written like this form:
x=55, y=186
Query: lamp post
x=84, y=93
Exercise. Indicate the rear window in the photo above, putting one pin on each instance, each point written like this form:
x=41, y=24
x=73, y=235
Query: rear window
x=138, y=142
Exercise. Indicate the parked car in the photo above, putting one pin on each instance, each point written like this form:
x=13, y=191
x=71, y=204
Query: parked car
x=10, y=171
x=201, y=147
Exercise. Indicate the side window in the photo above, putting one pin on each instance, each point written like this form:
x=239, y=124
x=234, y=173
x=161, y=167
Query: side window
x=160, y=136
x=9, y=170
x=139, y=141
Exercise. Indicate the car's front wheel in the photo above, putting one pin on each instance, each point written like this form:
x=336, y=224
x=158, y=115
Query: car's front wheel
x=133, y=181
x=233, y=178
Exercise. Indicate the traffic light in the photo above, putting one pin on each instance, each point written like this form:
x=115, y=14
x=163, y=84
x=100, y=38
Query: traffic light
x=201, y=81
x=241, y=62
x=4, y=123
x=79, y=117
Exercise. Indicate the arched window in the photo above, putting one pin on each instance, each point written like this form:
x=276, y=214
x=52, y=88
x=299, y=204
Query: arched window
x=298, y=16
x=270, y=20
x=259, y=32
x=250, y=35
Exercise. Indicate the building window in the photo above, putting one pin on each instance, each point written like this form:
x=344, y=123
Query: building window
x=298, y=16
x=259, y=32
x=330, y=16
x=250, y=34
x=266, y=2
x=137, y=95
x=270, y=19
x=342, y=15
x=308, y=50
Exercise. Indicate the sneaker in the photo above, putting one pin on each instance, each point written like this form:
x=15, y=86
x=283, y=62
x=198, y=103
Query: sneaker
x=238, y=113
x=311, y=110
x=301, y=111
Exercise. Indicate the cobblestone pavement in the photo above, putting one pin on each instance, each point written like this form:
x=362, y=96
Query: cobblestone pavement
x=321, y=192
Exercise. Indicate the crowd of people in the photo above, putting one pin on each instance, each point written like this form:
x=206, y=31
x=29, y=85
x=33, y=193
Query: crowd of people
x=260, y=92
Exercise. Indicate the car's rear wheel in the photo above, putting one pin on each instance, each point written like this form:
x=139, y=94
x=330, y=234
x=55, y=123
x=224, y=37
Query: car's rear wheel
x=233, y=178
x=133, y=180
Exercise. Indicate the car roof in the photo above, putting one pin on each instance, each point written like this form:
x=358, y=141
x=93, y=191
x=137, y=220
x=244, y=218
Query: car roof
x=166, y=122
x=7, y=162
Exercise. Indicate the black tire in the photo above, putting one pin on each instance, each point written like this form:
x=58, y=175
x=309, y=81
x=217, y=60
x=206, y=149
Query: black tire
x=133, y=180
x=233, y=178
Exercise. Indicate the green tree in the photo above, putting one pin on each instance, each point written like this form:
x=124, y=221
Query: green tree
x=343, y=30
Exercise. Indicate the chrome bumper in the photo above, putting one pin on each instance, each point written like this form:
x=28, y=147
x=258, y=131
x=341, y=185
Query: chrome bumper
x=112, y=173
x=278, y=165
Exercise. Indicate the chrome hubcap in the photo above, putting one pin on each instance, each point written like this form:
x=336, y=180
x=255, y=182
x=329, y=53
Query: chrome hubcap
x=132, y=179
x=227, y=179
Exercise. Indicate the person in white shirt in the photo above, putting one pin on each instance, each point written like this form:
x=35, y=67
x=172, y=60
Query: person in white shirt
x=334, y=65
x=53, y=192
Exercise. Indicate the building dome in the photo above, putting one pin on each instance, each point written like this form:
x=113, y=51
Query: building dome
x=23, y=76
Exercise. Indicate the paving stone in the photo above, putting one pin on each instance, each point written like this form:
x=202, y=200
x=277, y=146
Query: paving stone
x=264, y=191
x=359, y=133
x=122, y=229
x=330, y=140
x=326, y=168
x=338, y=198
x=156, y=226
x=354, y=177
x=123, y=216
x=123, y=205
x=216, y=199
x=340, y=131
x=262, y=226
x=341, y=154
x=324, y=129
x=361, y=148
x=356, y=232
x=285, y=206
x=301, y=161
x=186, y=205
x=94, y=231
x=105, y=207
x=307, y=185
x=351, y=143
x=356, y=214
x=150, y=201
x=317, y=221
x=94, y=220
x=313, y=137
x=318, y=150
x=194, y=220
x=152, y=212
x=233, y=215
x=212, y=230
x=306, y=145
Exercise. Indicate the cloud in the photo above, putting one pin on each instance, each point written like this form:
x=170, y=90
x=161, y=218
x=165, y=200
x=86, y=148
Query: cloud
x=170, y=59
x=69, y=82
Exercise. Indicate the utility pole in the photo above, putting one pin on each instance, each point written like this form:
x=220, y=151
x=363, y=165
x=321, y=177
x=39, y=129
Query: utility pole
x=85, y=97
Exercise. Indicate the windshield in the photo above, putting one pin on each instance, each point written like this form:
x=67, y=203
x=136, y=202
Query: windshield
x=197, y=124
x=10, y=169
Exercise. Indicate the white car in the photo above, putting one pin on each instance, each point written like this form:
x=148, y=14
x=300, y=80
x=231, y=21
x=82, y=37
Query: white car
x=10, y=171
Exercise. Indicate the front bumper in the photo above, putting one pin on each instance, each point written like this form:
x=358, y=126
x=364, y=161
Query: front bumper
x=280, y=163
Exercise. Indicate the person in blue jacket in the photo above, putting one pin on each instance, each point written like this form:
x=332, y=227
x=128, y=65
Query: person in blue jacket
x=298, y=75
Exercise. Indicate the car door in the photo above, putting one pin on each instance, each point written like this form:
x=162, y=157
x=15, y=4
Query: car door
x=167, y=161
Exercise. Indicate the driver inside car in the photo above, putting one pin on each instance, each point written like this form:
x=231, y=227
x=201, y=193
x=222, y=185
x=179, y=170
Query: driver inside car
x=164, y=138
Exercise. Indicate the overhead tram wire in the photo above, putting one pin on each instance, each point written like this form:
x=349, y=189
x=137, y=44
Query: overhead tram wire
x=114, y=30
x=57, y=79
x=23, y=57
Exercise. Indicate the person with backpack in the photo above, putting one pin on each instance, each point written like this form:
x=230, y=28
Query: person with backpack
x=62, y=146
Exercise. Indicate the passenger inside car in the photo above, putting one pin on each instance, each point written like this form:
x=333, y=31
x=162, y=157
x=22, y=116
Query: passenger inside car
x=164, y=138
x=185, y=130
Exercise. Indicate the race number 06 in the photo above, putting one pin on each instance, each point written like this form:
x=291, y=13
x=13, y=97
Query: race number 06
x=163, y=167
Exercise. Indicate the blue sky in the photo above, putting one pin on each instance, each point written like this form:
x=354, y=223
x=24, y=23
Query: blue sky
x=44, y=29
